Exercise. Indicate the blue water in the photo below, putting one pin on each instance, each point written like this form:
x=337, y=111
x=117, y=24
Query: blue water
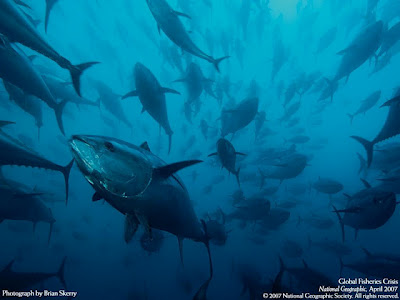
x=120, y=33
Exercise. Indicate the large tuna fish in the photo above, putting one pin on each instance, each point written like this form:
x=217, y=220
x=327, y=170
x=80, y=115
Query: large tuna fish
x=141, y=186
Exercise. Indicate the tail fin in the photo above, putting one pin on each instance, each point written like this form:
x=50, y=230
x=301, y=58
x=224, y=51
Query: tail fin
x=76, y=72
x=202, y=292
x=369, y=147
x=351, y=118
x=340, y=221
x=49, y=6
x=216, y=62
x=60, y=273
x=66, y=170
x=58, y=110
x=237, y=176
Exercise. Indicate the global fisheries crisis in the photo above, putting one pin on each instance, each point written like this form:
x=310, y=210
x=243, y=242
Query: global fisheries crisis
x=367, y=281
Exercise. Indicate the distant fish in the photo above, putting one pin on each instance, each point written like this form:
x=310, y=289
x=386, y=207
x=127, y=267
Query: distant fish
x=366, y=105
x=227, y=156
x=368, y=209
x=390, y=129
x=232, y=120
x=168, y=21
x=193, y=79
x=360, y=50
x=26, y=77
x=327, y=186
x=15, y=204
x=290, y=168
x=28, y=103
x=299, y=139
x=22, y=281
x=152, y=97
x=15, y=155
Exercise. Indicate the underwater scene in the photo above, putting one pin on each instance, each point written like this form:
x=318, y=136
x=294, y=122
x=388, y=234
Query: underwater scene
x=210, y=149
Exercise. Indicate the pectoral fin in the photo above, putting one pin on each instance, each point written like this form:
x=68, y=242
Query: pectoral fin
x=96, y=197
x=180, y=14
x=171, y=91
x=130, y=94
x=131, y=226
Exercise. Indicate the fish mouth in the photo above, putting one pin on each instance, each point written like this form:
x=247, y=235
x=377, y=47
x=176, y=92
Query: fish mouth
x=78, y=138
x=82, y=150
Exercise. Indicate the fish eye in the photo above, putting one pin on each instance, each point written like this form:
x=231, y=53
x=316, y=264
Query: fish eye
x=109, y=146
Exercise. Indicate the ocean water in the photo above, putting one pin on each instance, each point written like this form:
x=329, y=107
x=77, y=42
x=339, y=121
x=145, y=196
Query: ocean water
x=272, y=48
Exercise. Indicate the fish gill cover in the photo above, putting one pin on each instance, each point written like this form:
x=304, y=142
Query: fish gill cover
x=212, y=149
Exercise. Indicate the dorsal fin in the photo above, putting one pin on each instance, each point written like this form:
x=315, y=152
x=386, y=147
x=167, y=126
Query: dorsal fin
x=168, y=90
x=168, y=170
x=145, y=146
